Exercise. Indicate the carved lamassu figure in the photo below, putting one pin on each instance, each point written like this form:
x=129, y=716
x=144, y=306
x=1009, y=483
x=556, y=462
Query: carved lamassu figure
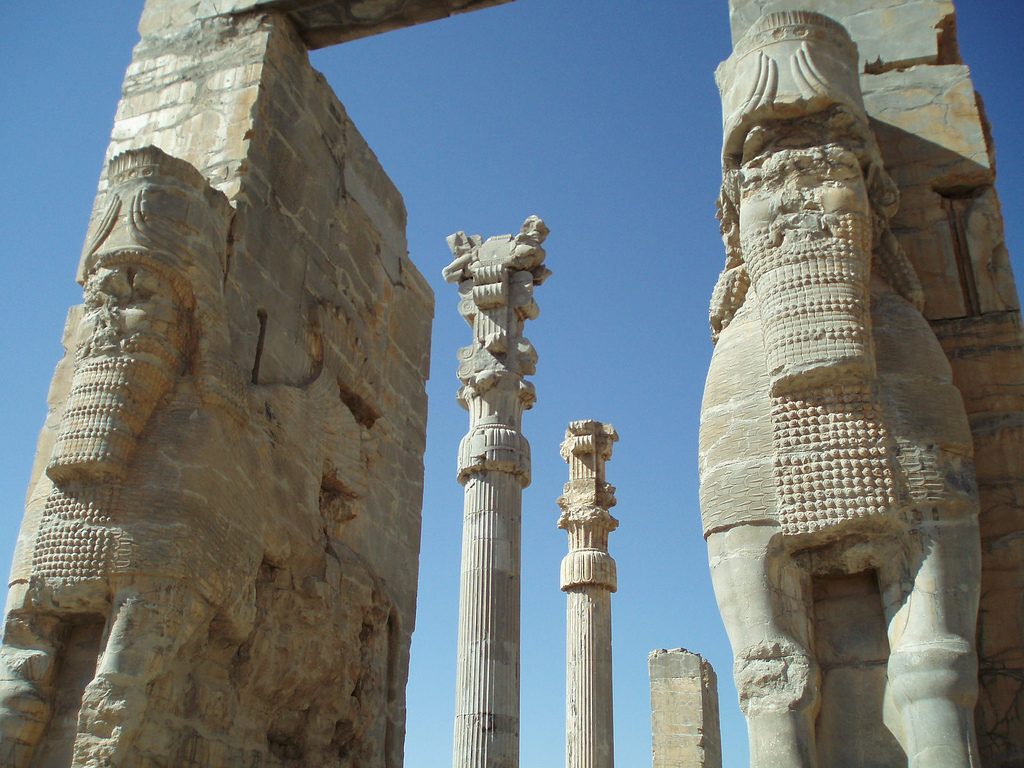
x=182, y=540
x=79, y=637
x=837, y=484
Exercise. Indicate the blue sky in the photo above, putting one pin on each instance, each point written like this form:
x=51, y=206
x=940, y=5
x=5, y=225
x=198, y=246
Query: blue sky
x=603, y=121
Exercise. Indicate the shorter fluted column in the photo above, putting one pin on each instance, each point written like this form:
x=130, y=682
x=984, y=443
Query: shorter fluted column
x=588, y=578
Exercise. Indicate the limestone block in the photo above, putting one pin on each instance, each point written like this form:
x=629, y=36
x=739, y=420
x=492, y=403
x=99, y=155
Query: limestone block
x=852, y=649
x=987, y=358
x=684, y=710
x=981, y=219
x=889, y=33
x=930, y=126
x=319, y=22
x=934, y=138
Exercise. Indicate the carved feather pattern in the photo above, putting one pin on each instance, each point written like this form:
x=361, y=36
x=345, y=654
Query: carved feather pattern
x=807, y=75
x=150, y=231
x=766, y=84
x=105, y=226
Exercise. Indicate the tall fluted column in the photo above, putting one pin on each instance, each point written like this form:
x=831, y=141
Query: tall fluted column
x=588, y=579
x=496, y=280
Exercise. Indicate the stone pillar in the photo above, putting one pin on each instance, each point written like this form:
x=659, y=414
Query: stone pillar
x=684, y=710
x=588, y=579
x=496, y=280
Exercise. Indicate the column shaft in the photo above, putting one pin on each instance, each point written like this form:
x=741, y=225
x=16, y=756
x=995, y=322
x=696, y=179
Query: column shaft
x=589, y=741
x=487, y=676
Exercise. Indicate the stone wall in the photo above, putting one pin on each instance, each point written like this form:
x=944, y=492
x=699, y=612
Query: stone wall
x=257, y=602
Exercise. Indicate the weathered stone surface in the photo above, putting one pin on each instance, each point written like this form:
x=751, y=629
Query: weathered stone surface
x=229, y=481
x=935, y=139
x=837, y=482
x=588, y=577
x=496, y=280
x=684, y=710
x=931, y=129
x=889, y=33
x=987, y=355
x=852, y=650
x=318, y=22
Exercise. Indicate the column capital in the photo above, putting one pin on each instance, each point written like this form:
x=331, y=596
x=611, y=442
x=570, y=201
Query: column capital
x=584, y=503
x=586, y=498
x=496, y=278
x=494, y=448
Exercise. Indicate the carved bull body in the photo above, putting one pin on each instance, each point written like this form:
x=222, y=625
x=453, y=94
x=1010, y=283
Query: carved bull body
x=835, y=450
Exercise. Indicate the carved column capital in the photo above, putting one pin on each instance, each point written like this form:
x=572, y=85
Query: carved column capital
x=584, y=502
x=496, y=278
x=789, y=64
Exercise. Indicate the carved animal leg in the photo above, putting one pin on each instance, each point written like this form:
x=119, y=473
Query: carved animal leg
x=933, y=666
x=762, y=598
x=146, y=631
x=27, y=663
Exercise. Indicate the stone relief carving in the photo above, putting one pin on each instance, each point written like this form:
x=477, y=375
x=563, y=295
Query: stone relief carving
x=833, y=443
x=186, y=539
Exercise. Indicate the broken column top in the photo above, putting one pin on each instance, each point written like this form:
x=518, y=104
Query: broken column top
x=587, y=446
x=676, y=662
x=586, y=449
x=320, y=23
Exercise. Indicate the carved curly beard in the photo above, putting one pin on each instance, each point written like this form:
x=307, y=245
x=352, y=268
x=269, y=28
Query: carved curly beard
x=833, y=451
x=811, y=275
x=112, y=399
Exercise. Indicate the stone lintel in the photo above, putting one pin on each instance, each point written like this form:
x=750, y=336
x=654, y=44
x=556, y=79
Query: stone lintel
x=320, y=23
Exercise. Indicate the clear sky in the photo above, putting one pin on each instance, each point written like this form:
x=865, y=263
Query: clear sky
x=598, y=115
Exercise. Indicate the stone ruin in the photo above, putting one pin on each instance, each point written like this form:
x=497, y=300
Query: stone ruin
x=860, y=433
x=821, y=484
x=230, y=474
x=496, y=280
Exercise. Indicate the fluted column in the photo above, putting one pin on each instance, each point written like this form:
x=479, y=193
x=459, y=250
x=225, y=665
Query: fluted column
x=588, y=578
x=496, y=279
